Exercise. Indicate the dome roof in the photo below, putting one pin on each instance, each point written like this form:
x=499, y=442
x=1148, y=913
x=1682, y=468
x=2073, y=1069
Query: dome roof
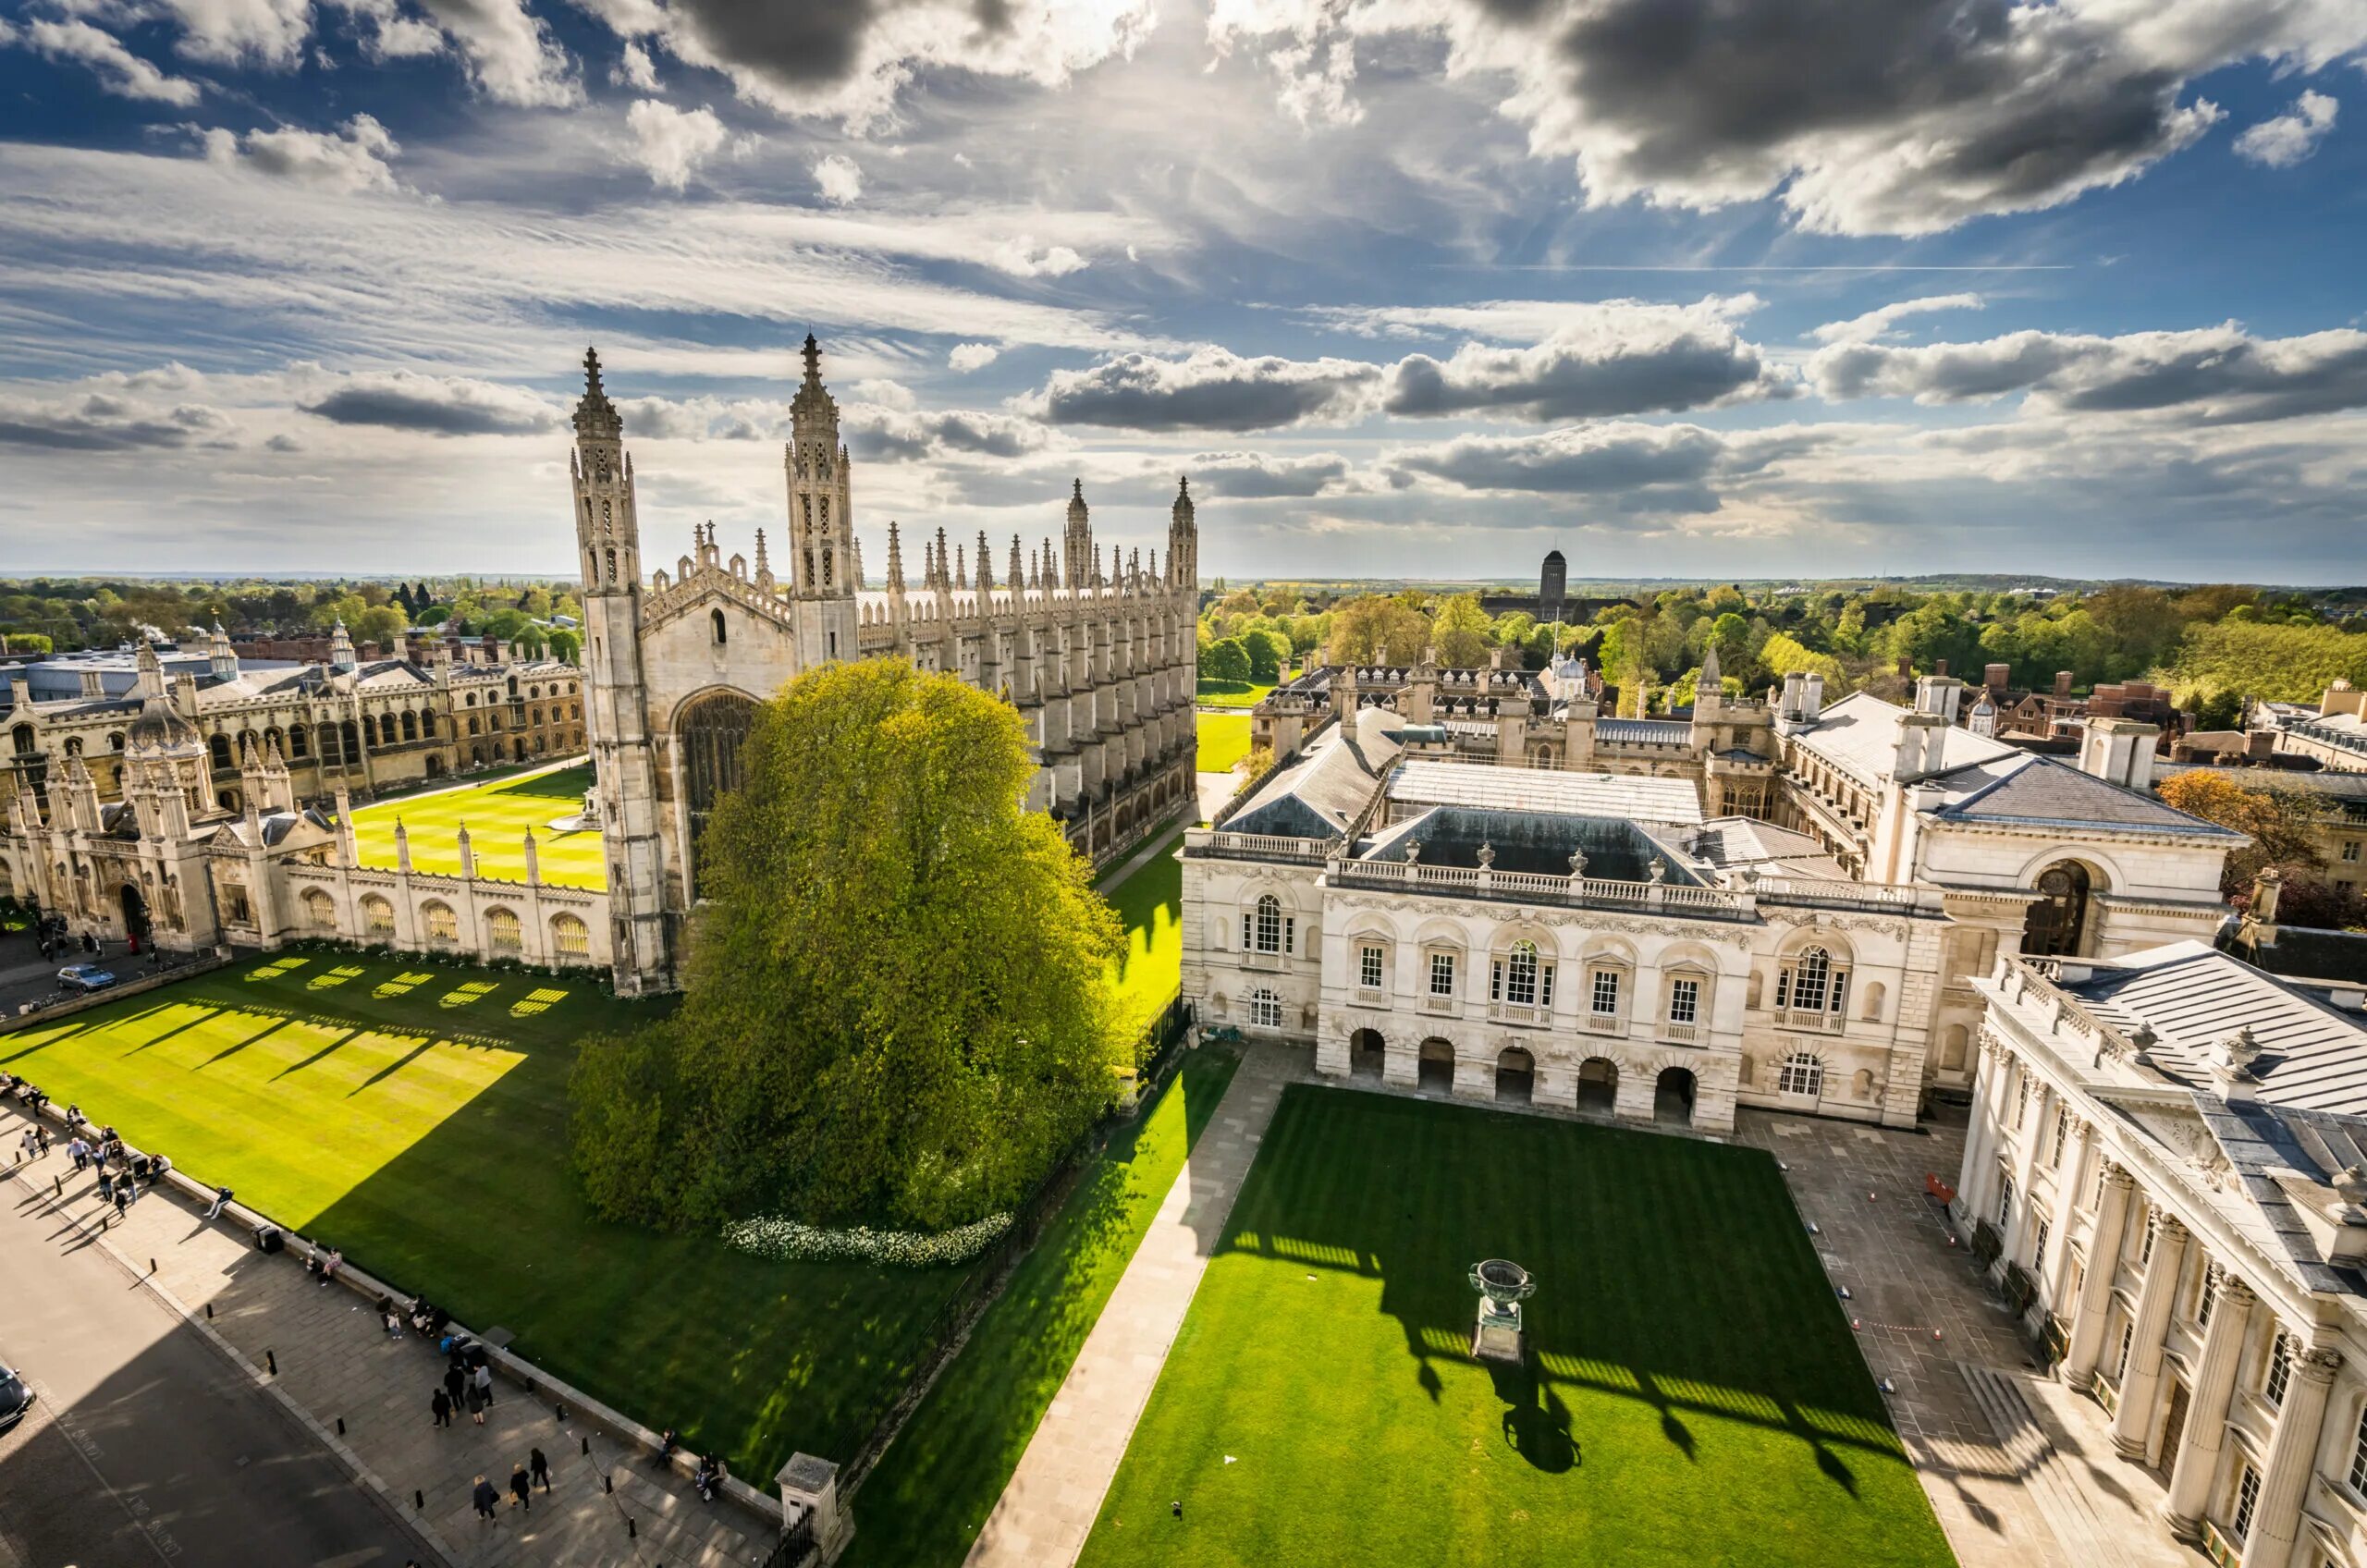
x=160, y=730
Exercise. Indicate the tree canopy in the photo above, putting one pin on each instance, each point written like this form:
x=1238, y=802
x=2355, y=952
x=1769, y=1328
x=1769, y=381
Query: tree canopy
x=898, y=1008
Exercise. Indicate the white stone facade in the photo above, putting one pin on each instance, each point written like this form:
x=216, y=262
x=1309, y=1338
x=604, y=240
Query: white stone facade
x=2165, y=1154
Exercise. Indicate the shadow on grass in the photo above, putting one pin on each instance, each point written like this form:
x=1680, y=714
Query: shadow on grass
x=1671, y=1273
x=566, y=783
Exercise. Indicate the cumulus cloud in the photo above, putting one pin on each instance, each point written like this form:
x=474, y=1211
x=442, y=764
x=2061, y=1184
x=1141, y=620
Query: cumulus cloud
x=967, y=357
x=848, y=59
x=671, y=143
x=838, y=178
x=1250, y=476
x=510, y=52
x=2292, y=136
x=704, y=419
x=2218, y=374
x=1021, y=257
x=1877, y=325
x=1649, y=467
x=119, y=71
x=1616, y=358
x=390, y=33
x=435, y=405
x=265, y=32
x=635, y=69
x=355, y=159
x=109, y=421
x=904, y=434
x=1210, y=389
x=1865, y=116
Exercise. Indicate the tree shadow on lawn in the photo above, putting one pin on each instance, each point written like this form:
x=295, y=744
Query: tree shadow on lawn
x=1670, y=1272
x=750, y=1358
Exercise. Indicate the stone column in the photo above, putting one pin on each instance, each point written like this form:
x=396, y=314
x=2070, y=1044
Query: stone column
x=1475, y=1077
x=1972, y=1171
x=2031, y=1133
x=1557, y=1083
x=2293, y=1455
x=2133, y=1423
x=1401, y=1063
x=2068, y=1162
x=2095, y=1285
x=2197, y=1459
x=810, y=1485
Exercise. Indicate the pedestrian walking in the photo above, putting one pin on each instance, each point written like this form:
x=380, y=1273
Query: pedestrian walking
x=122, y=1197
x=521, y=1494
x=482, y=1382
x=486, y=1497
x=42, y=1131
x=476, y=1405
x=454, y=1381
x=106, y=1184
x=541, y=1467
x=79, y=1153
x=441, y=1403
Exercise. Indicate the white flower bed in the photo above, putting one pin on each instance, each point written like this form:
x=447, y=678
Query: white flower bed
x=795, y=1242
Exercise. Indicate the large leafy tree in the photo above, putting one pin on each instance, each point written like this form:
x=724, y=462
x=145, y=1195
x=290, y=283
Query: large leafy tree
x=2282, y=823
x=898, y=1006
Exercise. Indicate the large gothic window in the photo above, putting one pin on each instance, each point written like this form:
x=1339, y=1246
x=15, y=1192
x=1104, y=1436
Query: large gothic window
x=2055, y=924
x=712, y=731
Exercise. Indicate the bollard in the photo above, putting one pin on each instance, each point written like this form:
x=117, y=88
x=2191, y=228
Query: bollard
x=631, y=1533
x=209, y=1312
x=57, y=1185
x=587, y=1448
x=419, y=1500
x=607, y=1484
x=151, y=1265
x=559, y=1414
x=340, y=1426
x=271, y=1360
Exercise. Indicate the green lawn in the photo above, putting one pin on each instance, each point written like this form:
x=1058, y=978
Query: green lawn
x=1224, y=741
x=1697, y=1396
x=925, y=1504
x=1232, y=693
x=414, y=1115
x=1150, y=905
x=497, y=814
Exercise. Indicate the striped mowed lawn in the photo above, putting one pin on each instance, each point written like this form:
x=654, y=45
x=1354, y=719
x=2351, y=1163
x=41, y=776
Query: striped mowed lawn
x=497, y=814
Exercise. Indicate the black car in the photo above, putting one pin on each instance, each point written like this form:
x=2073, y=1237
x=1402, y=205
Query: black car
x=15, y=1399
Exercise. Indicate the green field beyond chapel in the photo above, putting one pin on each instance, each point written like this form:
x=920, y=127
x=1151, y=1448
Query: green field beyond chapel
x=497, y=814
x=1694, y=1395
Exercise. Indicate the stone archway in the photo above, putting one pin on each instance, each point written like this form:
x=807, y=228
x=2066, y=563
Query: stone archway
x=2056, y=926
x=1672, y=1095
x=1435, y=1068
x=1516, y=1076
x=1599, y=1084
x=136, y=923
x=1367, y=1054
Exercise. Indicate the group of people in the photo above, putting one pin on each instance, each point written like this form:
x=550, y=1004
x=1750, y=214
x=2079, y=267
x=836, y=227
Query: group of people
x=322, y=1265
x=523, y=1479
x=124, y=1173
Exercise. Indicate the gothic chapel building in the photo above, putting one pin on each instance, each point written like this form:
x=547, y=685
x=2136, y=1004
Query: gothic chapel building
x=1098, y=658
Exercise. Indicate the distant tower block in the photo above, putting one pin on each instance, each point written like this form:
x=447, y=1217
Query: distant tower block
x=1552, y=586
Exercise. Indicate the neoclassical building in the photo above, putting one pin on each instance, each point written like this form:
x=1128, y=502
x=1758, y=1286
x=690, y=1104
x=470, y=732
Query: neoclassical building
x=1099, y=656
x=2165, y=1169
x=1521, y=926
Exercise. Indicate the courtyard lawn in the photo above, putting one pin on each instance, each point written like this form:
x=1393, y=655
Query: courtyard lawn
x=416, y=1115
x=498, y=813
x=1224, y=741
x=1232, y=693
x=933, y=1487
x=1150, y=905
x=1694, y=1393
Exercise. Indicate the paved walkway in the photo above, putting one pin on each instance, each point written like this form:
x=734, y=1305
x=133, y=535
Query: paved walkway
x=2015, y=1471
x=336, y=1365
x=1047, y=1511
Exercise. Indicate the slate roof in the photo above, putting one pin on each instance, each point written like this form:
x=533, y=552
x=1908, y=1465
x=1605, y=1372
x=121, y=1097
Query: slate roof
x=1318, y=793
x=2043, y=790
x=1859, y=735
x=2312, y=1057
x=1481, y=785
x=1642, y=731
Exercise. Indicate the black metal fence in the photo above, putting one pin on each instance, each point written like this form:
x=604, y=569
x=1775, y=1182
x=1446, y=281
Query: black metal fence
x=947, y=1330
x=797, y=1545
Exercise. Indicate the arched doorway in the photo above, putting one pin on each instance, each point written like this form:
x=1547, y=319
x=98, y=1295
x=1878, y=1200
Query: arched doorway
x=1436, y=1068
x=1516, y=1076
x=1367, y=1053
x=1672, y=1096
x=2057, y=924
x=135, y=915
x=1599, y=1084
x=711, y=730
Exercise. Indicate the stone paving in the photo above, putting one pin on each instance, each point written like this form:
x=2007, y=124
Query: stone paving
x=1047, y=1511
x=335, y=1365
x=1884, y=1239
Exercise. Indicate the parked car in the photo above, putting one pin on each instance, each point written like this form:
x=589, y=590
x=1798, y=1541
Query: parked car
x=15, y=1399
x=85, y=977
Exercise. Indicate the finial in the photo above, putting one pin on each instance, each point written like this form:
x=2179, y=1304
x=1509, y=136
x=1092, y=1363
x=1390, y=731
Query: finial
x=1076, y=490
x=591, y=372
x=813, y=361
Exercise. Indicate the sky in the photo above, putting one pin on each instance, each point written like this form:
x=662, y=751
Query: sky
x=1706, y=288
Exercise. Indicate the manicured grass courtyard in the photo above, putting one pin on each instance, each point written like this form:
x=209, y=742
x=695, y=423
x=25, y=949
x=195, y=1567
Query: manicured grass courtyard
x=498, y=813
x=1224, y=741
x=924, y=1504
x=1232, y=693
x=416, y=1115
x=1149, y=904
x=1694, y=1393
